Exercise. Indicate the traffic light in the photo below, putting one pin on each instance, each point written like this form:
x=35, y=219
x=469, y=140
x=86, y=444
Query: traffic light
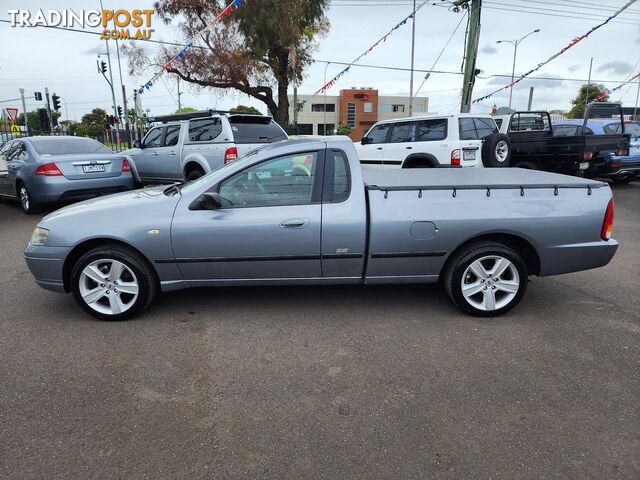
x=119, y=111
x=102, y=66
x=43, y=119
x=38, y=96
x=56, y=102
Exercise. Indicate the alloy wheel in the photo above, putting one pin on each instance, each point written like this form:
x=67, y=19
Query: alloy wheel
x=24, y=198
x=490, y=283
x=108, y=286
x=502, y=151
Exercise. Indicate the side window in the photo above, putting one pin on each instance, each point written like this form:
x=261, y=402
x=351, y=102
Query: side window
x=403, y=132
x=485, y=127
x=153, y=138
x=172, y=135
x=379, y=134
x=467, y=129
x=612, y=128
x=341, y=178
x=204, y=130
x=280, y=181
x=4, y=151
x=20, y=152
x=431, y=130
x=565, y=130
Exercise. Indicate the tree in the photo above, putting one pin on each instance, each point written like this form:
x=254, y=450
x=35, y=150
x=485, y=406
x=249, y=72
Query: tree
x=34, y=122
x=343, y=129
x=245, y=109
x=258, y=46
x=186, y=110
x=597, y=92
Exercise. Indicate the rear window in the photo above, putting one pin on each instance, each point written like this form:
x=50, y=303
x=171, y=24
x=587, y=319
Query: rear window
x=485, y=127
x=255, y=130
x=431, y=130
x=467, y=129
x=204, y=130
x=68, y=146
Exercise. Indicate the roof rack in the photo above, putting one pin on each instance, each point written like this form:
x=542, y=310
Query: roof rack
x=185, y=116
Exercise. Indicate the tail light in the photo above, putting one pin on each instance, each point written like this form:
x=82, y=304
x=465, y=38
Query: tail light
x=607, y=223
x=623, y=153
x=616, y=164
x=49, y=170
x=230, y=154
x=455, y=157
x=587, y=155
x=125, y=165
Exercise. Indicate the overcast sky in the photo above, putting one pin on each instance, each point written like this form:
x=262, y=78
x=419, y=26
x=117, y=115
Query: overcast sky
x=35, y=58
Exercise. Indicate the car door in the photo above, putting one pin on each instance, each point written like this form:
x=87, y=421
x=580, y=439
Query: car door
x=147, y=158
x=399, y=145
x=5, y=151
x=371, y=151
x=470, y=144
x=268, y=229
x=167, y=165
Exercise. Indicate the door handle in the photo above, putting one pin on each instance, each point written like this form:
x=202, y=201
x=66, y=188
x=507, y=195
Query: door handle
x=379, y=148
x=408, y=148
x=172, y=153
x=155, y=154
x=295, y=223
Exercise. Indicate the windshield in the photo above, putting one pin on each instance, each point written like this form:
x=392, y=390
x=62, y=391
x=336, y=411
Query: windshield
x=632, y=128
x=68, y=146
x=195, y=184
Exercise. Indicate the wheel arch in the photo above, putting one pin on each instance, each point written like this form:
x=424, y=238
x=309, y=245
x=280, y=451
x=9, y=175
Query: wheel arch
x=519, y=244
x=420, y=160
x=89, y=244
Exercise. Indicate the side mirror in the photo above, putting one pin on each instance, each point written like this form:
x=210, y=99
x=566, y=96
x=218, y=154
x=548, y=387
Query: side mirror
x=365, y=141
x=137, y=144
x=211, y=201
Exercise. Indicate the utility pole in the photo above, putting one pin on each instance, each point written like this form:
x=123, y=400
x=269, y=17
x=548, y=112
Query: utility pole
x=26, y=117
x=124, y=99
x=413, y=46
x=471, y=54
x=635, y=109
x=113, y=94
x=46, y=93
x=179, y=102
x=530, y=99
x=586, y=96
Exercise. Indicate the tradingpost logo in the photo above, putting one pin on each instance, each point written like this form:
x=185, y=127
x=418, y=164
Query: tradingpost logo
x=116, y=24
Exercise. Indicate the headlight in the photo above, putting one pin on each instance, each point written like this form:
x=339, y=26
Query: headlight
x=39, y=236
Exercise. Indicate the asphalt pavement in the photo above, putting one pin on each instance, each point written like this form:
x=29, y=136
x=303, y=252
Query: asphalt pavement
x=325, y=382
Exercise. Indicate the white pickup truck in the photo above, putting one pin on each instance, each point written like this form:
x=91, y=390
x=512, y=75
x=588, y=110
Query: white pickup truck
x=186, y=146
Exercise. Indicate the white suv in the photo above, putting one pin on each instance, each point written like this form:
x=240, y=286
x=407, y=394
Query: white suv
x=465, y=139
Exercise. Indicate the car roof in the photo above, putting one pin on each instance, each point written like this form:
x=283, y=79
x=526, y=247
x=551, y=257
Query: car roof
x=434, y=116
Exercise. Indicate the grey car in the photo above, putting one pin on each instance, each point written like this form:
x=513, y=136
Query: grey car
x=305, y=212
x=50, y=169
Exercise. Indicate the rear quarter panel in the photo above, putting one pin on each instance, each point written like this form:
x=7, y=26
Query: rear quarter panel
x=564, y=229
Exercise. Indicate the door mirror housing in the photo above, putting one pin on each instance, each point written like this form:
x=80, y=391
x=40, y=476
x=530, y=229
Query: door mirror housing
x=365, y=141
x=137, y=144
x=211, y=201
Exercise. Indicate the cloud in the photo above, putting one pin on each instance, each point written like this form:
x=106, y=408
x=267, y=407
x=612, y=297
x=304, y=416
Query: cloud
x=555, y=81
x=489, y=50
x=618, y=67
x=574, y=68
x=97, y=50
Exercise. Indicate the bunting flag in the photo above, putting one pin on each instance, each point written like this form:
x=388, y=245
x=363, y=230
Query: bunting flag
x=180, y=55
x=382, y=39
x=553, y=57
x=607, y=91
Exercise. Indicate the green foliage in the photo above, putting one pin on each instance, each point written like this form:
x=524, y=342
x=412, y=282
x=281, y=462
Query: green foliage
x=34, y=122
x=245, y=109
x=343, y=129
x=186, y=110
x=578, y=103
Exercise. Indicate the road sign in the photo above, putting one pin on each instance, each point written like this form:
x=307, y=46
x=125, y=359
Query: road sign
x=15, y=130
x=12, y=113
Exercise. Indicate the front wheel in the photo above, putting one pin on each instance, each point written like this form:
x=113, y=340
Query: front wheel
x=113, y=282
x=486, y=279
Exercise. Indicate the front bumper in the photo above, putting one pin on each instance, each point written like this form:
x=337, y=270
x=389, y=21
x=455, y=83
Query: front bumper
x=46, y=265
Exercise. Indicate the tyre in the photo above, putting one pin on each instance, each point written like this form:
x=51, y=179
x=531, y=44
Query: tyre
x=496, y=150
x=113, y=282
x=486, y=279
x=624, y=180
x=194, y=174
x=29, y=206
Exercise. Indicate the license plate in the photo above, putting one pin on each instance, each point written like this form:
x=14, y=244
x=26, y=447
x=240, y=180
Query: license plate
x=93, y=168
x=584, y=165
x=468, y=155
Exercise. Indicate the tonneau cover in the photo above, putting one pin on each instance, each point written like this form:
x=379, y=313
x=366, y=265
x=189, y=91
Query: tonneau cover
x=469, y=178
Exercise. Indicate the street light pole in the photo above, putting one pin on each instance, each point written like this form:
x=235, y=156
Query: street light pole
x=324, y=128
x=515, y=44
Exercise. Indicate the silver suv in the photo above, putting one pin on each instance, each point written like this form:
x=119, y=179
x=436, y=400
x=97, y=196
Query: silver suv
x=186, y=146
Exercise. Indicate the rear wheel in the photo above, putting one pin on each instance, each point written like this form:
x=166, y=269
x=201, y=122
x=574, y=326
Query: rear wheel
x=113, y=283
x=29, y=206
x=486, y=279
x=496, y=150
x=624, y=180
x=195, y=174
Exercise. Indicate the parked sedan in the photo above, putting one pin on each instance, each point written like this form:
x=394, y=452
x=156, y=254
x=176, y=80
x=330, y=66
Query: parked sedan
x=41, y=170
